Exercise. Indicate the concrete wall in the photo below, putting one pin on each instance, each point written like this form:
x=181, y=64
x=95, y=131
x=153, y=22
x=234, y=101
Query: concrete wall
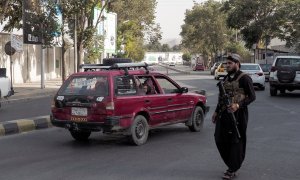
x=26, y=65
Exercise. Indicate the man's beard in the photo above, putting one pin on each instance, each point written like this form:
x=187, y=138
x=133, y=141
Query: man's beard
x=234, y=70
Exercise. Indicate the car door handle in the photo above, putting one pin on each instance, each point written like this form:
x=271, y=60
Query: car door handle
x=147, y=101
x=169, y=99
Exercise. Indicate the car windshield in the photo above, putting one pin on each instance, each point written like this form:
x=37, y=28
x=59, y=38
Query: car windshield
x=288, y=62
x=266, y=67
x=85, y=85
x=223, y=65
x=250, y=67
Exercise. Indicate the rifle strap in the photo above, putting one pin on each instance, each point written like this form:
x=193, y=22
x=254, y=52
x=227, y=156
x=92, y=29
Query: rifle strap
x=240, y=76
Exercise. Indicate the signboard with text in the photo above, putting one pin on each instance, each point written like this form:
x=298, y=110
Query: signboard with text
x=17, y=42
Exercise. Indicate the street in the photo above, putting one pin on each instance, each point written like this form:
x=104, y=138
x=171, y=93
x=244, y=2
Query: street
x=172, y=152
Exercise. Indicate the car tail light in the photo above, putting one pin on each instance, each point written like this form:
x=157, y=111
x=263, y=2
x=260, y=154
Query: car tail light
x=110, y=106
x=273, y=69
x=259, y=73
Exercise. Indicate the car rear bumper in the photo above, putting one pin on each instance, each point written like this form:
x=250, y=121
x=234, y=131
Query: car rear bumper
x=276, y=84
x=110, y=124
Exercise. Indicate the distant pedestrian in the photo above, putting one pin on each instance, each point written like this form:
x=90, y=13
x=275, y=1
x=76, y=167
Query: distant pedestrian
x=239, y=87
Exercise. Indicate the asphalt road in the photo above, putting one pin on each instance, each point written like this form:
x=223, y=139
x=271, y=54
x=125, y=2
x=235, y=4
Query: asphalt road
x=171, y=152
x=25, y=109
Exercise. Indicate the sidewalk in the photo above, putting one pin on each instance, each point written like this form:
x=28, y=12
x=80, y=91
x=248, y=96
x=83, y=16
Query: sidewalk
x=28, y=91
x=31, y=90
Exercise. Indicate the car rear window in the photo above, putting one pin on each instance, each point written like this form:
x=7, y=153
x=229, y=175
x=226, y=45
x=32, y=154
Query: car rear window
x=288, y=62
x=250, y=67
x=266, y=67
x=85, y=85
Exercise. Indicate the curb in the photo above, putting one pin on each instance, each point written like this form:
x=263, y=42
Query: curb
x=27, y=97
x=24, y=125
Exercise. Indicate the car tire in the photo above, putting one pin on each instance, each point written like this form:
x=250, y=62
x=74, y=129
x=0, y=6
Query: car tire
x=262, y=88
x=197, y=120
x=273, y=91
x=282, y=91
x=80, y=135
x=139, y=130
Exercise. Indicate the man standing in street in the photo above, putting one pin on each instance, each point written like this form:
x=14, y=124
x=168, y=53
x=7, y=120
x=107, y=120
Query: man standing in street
x=230, y=136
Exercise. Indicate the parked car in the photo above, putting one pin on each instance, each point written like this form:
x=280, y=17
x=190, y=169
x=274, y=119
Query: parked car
x=220, y=71
x=256, y=74
x=199, y=67
x=112, y=99
x=213, y=68
x=266, y=69
x=5, y=85
x=285, y=74
x=172, y=63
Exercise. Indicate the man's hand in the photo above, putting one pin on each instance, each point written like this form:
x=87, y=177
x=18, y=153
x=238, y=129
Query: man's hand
x=214, y=117
x=233, y=107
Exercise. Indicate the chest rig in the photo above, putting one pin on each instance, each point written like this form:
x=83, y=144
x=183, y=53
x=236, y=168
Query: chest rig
x=233, y=90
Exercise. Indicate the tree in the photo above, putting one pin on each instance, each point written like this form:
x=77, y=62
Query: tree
x=204, y=28
x=176, y=47
x=133, y=27
x=187, y=57
x=260, y=19
x=165, y=48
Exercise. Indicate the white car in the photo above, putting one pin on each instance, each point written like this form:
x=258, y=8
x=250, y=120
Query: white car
x=5, y=87
x=256, y=73
x=220, y=71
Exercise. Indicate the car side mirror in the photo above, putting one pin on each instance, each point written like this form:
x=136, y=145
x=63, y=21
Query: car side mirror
x=202, y=92
x=184, y=90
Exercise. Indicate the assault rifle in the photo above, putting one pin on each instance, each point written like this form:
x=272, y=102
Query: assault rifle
x=226, y=99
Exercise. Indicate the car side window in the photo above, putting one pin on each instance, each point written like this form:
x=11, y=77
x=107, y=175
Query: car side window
x=167, y=86
x=125, y=85
x=147, y=85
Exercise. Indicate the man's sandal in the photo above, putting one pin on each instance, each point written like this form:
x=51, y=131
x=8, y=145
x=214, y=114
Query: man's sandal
x=228, y=175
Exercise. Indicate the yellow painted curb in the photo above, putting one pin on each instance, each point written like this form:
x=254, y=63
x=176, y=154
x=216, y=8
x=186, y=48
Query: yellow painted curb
x=25, y=125
x=2, y=130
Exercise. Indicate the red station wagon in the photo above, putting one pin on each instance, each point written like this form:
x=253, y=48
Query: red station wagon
x=126, y=98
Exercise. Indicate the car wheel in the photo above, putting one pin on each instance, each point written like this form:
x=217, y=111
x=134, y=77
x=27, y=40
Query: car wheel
x=139, y=130
x=80, y=135
x=282, y=91
x=273, y=91
x=262, y=88
x=197, y=120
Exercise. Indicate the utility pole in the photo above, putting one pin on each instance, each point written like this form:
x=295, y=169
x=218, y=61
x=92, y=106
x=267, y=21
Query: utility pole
x=75, y=44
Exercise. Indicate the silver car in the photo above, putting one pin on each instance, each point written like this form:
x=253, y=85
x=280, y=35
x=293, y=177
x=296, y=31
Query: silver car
x=256, y=73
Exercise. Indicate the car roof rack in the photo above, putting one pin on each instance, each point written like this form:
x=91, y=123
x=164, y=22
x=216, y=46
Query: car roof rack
x=123, y=66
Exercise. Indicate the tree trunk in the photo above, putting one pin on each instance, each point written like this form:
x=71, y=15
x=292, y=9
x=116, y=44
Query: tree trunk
x=80, y=55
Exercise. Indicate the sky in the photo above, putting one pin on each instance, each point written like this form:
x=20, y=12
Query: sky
x=170, y=15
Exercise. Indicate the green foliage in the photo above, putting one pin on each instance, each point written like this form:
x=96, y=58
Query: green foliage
x=135, y=23
x=45, y=17
x=258, y=19
x=204, y=28
x=165, y=48
x=187, y=57
x=236, y=47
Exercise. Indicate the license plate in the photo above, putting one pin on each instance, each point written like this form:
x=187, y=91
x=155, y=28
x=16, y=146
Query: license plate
x=79, y=111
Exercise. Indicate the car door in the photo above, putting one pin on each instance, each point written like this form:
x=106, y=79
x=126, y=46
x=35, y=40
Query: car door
x=154, y=102
x=179, y=107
